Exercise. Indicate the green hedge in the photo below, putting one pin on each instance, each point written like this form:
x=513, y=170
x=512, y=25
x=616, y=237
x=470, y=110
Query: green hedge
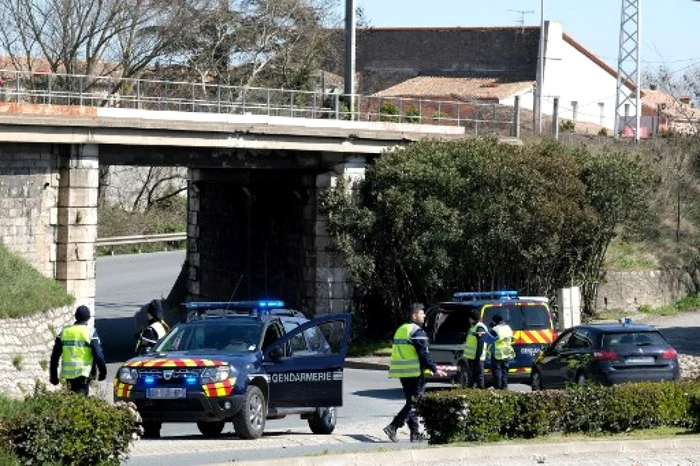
x=68, y=429
x=486, y=415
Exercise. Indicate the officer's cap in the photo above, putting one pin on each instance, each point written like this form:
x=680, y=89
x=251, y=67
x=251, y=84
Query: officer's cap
x=82, y=313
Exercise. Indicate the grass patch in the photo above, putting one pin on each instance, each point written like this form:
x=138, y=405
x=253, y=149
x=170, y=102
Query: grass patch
x=623, y=255
x=689, y=303
x=369, y=348
x=24, y=290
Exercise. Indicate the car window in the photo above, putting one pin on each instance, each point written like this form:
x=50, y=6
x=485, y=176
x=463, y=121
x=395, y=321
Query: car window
x=452, y=326
x=228, y=337
x=563, y=341
x=619, y=339
x=580, y=339
x=512, y=315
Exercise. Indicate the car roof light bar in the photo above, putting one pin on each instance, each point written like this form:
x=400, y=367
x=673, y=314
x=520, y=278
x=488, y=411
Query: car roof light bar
x=260, y=304
x=477, y=295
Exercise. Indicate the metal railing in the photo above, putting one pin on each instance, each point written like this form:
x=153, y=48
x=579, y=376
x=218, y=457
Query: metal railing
x=138, y=239
x=105, y=91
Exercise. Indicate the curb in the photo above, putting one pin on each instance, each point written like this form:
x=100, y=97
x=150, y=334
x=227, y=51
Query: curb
x=367, y=364
x=474, y=454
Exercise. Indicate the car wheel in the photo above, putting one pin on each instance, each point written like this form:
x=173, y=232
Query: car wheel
x=151, y=429
x=581, y=379
x=463, y=375
x=323, y=421
x=249, y=423
x=536, y=381
x=210, y=429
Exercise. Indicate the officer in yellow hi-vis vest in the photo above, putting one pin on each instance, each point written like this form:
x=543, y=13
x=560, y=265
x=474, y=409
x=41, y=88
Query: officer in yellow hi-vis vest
x=503, y=351
x=410, y=360
x=475, y=349
x=78, y=347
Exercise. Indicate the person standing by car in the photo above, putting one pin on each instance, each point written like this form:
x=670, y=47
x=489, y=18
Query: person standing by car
x=475, y=349
x=503, y=351
x=78, y=347
x=156, y=329
x=410, y=360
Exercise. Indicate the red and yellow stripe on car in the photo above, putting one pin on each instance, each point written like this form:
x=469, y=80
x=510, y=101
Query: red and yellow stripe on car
x=122, y=390
x=517, y=370
x=533, y=337
x=175, y=362
x=224, y=388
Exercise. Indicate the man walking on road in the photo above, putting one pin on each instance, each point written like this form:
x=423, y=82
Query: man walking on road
x=410, y=359
x=78, y=347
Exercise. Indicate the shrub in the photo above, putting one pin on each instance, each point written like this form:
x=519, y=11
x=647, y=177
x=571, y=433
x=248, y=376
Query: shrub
x=567, y=126
x=603, y=132
x=478, y=415
x=413, y=115
x=439, y=116
x=388, y=112
x=71, y=429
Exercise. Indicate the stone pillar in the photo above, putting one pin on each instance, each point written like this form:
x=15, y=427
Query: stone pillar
x=333, y=287
x=77, y=221
x=193, y=258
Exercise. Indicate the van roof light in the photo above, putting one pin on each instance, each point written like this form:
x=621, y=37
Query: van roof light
x=477, y=295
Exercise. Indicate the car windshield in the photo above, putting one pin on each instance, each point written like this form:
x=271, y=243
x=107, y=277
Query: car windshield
x=641, y=338
x=221, y=336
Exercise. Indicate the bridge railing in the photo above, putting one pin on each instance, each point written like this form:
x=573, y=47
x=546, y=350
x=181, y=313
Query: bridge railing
x=23, y=87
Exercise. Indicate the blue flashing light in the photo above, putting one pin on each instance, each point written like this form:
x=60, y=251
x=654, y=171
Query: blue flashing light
x=476, y=295
x=149, y=380
x=190, y=380
x=260, y=304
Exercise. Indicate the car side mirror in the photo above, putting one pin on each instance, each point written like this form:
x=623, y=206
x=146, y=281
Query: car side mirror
x=276, y=353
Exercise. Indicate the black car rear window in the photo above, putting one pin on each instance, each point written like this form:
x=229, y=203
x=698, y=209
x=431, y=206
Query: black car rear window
x=641, y=338
x=519, y=317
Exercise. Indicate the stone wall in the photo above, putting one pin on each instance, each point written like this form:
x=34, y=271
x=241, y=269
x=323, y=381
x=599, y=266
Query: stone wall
x=628, y=290
x=25, y=349
x=28, y=203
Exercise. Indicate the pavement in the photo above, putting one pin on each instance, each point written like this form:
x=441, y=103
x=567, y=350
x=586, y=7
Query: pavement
x=677, y=451
x=375, y=363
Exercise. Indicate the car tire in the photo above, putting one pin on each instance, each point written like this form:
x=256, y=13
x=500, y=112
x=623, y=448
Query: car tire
x=581, y=380
x=323, y=421
x=249, y=422
x=536, y=381
x=463, y=375
x=151, y=429
x=210, y=429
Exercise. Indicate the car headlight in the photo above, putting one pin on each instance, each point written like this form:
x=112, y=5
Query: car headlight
x=128, y=375
x=215, y=374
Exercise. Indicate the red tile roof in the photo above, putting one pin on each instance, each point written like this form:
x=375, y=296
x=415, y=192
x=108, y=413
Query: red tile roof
x=458, y=88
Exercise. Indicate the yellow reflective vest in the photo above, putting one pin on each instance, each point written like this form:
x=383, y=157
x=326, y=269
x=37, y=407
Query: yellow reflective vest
x=503, y=347
x=404, y=357
x=76, y=358
x=471, y=343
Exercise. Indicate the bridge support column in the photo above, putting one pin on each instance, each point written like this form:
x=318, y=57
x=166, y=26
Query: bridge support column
x=77, y=221
x=332, y=284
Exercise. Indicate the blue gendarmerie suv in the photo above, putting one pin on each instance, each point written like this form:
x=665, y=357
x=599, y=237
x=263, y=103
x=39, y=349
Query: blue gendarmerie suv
x=241, y=362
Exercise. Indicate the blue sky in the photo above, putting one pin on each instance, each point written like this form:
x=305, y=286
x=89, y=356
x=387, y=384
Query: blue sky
x=670, y=28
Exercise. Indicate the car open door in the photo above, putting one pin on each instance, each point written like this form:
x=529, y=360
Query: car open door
x=306, y=365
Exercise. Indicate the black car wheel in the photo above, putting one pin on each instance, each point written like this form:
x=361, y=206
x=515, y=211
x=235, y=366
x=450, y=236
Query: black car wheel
x=249, y=423
x=151, y=429
x=323, y=421
x=210, y=429
x=536, y=381
x=463, y=375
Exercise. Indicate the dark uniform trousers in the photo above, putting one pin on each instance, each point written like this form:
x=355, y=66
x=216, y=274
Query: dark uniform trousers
x=476, y=372
x=500, y=373
x=413, y=387
x=79, y=385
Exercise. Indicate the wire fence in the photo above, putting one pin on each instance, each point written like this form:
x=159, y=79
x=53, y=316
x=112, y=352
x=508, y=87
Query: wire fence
x=23, y=87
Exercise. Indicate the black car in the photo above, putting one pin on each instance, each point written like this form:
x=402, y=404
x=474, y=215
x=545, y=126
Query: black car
x=243, y=362
x=608, y=354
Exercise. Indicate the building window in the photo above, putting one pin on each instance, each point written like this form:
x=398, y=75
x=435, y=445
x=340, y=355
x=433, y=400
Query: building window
x=574, y=110
x=601, y=106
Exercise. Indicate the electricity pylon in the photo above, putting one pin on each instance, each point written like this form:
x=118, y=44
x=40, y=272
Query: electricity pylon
x=629, y=69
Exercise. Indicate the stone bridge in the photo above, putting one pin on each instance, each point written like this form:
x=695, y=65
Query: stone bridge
x=253, y=189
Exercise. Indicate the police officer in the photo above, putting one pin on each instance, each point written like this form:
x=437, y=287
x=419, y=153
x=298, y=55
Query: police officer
x=78, y=347
x=475, y=349
x=410, y=360
x=503, y=351
x=156, y=329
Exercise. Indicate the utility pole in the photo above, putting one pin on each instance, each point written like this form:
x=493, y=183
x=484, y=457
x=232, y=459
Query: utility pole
x=629, y=68
x=540, y=73
x=350, y=54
